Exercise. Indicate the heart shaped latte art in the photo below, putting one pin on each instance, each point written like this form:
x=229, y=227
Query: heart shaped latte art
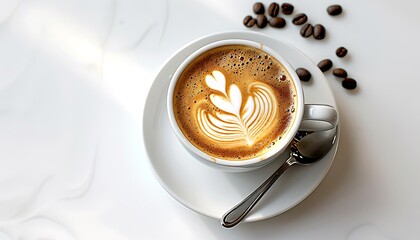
x=238, y=120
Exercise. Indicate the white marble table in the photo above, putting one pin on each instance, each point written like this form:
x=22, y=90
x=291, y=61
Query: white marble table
x=74, y=77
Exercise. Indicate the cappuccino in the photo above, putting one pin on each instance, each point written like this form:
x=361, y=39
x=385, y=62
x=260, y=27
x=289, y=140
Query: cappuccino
x=234, y=102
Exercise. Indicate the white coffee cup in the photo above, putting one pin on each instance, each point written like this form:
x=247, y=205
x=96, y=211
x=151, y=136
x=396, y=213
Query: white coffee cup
x=312, y=117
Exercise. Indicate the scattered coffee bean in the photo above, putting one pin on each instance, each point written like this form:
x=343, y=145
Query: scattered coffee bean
x=258, y=8
x=339, y=72
x=334, y=10
x=319, y=31
x=261, y=21
x=306, y=30
x=303, y=74
x=325, y=65
x=273, y=9
x=341, y=52
x=287, y=8
x=249, y=21
x=349, y=83
x=277, y=22
x=300, y=19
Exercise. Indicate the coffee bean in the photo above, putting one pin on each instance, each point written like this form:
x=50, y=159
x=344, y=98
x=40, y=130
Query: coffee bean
x=349, y=83
x=334, y=10
x=300, y=19
x=249, y=21
x=273, y=9
x=303, y=74
x=339, y=72
x=258, y=8
x=319, y=31
x=287, y=8
x=341, y=52
x=306, y=30
x=325, y=65
x=261, y=21
x=277, y=22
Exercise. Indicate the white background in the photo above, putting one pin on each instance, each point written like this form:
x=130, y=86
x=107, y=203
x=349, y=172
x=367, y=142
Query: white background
x=74, y=77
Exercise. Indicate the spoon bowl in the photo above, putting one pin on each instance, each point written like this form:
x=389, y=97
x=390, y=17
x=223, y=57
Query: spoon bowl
x=305, y=149
x=313, y=146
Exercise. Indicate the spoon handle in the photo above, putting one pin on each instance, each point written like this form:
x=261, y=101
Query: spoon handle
x=241, y=210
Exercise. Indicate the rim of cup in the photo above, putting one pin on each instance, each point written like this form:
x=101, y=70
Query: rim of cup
x=278, y=148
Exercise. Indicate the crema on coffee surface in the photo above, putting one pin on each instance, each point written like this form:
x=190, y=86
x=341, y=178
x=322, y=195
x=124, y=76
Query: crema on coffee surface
x=234, y=102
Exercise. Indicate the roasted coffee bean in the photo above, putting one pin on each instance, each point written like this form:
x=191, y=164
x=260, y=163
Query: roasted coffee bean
x=277, y=22
x=306, y=30
x=334, y=10
x=341, y=52
x=303, y=74
x=339, y=72
x=261, y=21
x=258, y=8
x=273, y=9
x=249, y=21
x=325, y=65
x=300, y=19
x=319, y=31
x=349, y=83
x=287, y=8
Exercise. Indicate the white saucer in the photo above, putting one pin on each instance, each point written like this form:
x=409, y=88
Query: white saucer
x=212, y=192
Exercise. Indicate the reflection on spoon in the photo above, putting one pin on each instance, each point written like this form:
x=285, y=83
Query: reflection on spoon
x=309, y=149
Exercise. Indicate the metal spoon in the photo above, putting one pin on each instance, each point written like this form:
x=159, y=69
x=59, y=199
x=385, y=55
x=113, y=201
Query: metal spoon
x=309, y=149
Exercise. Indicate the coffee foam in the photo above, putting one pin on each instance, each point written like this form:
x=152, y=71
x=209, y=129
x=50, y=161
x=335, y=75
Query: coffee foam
x=234, y=102
x=239, y=120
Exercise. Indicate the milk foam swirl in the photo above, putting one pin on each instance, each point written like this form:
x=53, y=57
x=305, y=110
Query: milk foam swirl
x=238, y=120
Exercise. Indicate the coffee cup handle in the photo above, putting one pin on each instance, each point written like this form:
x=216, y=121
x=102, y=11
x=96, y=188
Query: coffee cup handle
x=318, y=117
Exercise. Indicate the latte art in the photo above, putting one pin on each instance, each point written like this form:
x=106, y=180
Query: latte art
x=234, y=102
x=239, y=119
